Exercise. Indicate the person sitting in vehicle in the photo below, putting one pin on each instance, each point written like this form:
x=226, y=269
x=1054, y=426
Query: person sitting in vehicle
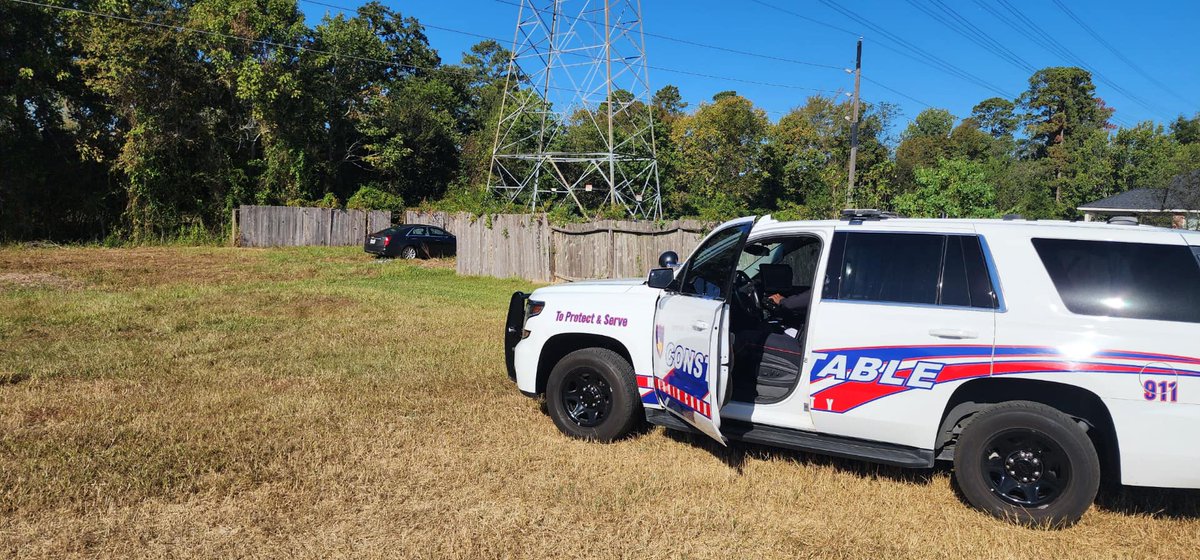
x=791, y=305
x=795, y=304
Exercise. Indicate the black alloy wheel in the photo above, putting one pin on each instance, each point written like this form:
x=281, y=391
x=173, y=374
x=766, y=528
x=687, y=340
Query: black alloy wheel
x=593, y=394
x=1027, y=462
x=586, y=397
x=1025, y=468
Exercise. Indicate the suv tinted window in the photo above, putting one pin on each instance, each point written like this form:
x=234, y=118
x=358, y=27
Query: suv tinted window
x=1134, y=280
x=979, y=280
x=892, y=267
x=954, y=289
x=909, y=268
x=710, y=270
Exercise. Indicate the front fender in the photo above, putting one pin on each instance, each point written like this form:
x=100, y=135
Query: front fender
x=572, y=320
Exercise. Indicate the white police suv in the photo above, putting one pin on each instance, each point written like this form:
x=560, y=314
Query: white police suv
x=1037, y=356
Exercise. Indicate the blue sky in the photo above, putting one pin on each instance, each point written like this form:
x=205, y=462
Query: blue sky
x=1158, y=36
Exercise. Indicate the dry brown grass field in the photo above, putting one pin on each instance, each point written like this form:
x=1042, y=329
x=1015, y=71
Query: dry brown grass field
x=205, y=402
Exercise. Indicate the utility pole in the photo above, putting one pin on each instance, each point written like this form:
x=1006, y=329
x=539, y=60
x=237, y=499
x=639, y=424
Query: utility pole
x=854, y=127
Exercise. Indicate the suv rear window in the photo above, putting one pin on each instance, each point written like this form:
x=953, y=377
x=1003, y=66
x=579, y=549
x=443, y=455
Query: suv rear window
x=1132, y=280
x=917, y=268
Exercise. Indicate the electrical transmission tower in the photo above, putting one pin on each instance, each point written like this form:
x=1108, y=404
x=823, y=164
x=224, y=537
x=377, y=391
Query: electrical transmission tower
x=576, y=126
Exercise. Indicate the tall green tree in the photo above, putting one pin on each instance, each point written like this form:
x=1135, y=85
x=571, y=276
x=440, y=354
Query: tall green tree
x=57, y=140
x=810, y=147
x=924, y=141
x=954, y=188
x=721, y=157
x=996, y=116
x=1062, y=113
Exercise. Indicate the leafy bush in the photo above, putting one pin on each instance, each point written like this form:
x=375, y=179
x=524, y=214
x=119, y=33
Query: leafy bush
x=328, y=201
x=372, y=198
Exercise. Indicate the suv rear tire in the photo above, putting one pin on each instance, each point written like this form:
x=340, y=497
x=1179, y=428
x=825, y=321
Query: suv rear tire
x=592, y=394
x=1028, y=462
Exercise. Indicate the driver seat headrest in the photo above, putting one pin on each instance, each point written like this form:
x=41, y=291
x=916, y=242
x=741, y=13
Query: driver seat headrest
x=776, y=278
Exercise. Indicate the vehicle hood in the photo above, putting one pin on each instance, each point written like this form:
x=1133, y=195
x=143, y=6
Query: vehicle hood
x=594, y=286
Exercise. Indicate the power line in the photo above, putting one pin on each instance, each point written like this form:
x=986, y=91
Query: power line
x=449, y=69
x=1100, y=39
x=897, y=92
x=921, y=55
x=659, y=68
x=302, y=48
x=683, y=41
x=847, y=31
x=806, y=18
x=1035, y=33
x=724, y=78
x=693, y=43
x=960, y=25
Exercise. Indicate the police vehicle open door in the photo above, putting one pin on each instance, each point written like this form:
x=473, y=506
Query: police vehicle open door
x=691, y=331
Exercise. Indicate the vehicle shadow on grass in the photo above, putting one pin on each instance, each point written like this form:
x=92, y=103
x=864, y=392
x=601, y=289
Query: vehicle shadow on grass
x=1127, y=500
x=1166, y=503
x=738, y=453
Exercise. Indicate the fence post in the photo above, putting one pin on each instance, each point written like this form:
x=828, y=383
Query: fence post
x=612, y=251
x=233, y=227
x=551, y=250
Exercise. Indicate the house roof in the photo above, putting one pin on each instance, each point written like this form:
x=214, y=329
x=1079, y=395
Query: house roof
x=1183, y=195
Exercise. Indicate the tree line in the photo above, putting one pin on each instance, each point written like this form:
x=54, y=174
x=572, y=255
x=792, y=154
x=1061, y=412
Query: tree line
x=155, y=124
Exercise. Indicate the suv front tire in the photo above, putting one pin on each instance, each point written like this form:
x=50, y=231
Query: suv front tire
x=592, y=394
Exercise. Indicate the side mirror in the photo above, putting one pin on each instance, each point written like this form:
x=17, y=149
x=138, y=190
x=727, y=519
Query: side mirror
x=668, y=259
x=661, y=278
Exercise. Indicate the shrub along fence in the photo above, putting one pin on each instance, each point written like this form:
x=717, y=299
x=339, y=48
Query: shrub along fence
x=281, y=226
x=528, y=246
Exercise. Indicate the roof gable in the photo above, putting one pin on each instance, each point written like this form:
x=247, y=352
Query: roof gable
x=1182, y=194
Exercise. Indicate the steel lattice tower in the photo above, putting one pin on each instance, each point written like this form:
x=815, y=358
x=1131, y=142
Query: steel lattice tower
x=576, y=126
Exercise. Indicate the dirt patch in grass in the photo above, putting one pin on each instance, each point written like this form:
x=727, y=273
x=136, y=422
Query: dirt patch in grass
x=13, y=377
x=278, y=403
x=42, y=415
x=37, y=280
x=447, y=263
x=157, y=266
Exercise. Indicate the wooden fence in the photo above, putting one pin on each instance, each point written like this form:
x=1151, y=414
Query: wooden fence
x=275, y=226
x=527, y=246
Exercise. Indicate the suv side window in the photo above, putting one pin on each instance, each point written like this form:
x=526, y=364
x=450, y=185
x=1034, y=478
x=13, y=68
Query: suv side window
x=916, y=268
x=891, y=267
x=1116, y=279
x=709, y=272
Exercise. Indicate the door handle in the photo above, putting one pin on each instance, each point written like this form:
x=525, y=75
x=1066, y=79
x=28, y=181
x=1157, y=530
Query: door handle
x=700, y=326
x=953, y=333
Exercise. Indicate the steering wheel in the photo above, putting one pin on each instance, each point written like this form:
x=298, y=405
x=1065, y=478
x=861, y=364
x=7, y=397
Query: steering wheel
x=747, y=294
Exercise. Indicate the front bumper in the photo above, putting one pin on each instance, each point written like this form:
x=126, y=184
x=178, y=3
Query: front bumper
x=514, y=326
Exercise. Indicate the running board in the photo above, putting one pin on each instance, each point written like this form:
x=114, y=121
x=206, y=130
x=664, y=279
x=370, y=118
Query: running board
x=824, y=444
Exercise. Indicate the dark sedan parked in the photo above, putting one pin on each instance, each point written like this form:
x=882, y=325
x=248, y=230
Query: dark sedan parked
x=410, y=241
